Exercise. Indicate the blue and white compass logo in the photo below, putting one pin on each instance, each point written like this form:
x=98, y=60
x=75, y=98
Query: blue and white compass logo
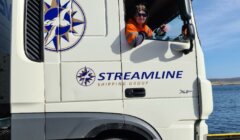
x=86, y=76
x=64, y=23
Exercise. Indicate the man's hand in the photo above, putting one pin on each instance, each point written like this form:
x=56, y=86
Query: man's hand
x=144, y=34
x=161, y=31
x=164, y=28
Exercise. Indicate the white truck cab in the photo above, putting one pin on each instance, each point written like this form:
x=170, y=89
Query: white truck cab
x=67, y=72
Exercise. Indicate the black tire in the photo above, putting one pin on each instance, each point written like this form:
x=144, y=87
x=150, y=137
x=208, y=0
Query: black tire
x=115, y=139
x=5, y=134
x=119, y=135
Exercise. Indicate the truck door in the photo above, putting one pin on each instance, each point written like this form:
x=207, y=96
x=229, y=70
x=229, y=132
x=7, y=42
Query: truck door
x=160, y=83
x=87, y=39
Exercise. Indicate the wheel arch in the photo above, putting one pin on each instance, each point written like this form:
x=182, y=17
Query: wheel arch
x=131, y=125
x=91, y=125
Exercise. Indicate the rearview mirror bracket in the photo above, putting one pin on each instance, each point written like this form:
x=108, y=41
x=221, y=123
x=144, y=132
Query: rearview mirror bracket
x=185, y=9
x=188, y=28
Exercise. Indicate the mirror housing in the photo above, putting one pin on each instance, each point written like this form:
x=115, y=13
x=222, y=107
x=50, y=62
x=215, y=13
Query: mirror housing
x=188, y=31
x=185, y=9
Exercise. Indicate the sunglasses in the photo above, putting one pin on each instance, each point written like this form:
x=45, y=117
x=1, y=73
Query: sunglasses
x=141, y=14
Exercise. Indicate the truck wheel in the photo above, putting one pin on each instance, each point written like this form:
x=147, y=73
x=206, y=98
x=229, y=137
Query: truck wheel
x=119, y=135
x=122, y=138
x=115, y=139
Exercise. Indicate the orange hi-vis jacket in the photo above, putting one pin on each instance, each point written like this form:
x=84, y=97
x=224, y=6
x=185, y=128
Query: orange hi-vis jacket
x=132, y=31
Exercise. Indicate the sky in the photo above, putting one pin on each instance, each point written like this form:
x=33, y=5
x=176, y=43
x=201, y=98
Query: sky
x=218, y=25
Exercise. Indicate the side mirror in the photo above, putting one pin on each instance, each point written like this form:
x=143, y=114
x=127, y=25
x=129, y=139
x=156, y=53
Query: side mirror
x=185, y=9
x=188, y=31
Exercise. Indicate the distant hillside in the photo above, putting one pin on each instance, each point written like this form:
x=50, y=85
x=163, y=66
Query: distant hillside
x=226, y=81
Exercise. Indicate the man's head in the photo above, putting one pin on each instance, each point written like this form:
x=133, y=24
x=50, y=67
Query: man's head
x=141, y=14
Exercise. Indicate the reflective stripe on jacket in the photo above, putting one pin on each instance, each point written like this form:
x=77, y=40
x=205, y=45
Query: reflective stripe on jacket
x=132, y=32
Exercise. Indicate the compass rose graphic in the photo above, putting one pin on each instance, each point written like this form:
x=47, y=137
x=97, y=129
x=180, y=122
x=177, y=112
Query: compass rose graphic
x=64, y=24
x=86, y=76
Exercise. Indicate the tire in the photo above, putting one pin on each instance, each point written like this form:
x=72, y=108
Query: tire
x=119, y=135
x=120, y=138
x=114, y=138
x=5, y=134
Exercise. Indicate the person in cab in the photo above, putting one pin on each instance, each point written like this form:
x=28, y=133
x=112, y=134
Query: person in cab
x=136, y=28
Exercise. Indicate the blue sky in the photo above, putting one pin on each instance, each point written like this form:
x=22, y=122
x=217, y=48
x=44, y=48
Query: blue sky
x=219, y=30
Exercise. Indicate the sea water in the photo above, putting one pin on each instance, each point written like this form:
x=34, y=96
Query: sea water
x=226, y=113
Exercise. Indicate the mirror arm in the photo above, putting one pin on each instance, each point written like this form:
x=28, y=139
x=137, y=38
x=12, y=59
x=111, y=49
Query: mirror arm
x=187, y=51
x=185, y=13
x=186, y=22
x=191, y=37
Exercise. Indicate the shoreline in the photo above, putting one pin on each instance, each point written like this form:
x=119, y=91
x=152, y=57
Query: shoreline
x=225, y=84
x=225, y=81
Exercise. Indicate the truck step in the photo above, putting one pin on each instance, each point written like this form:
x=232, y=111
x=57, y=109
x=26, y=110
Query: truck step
x=228, y=136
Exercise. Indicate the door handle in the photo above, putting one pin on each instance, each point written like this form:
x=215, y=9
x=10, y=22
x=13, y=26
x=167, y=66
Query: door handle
x=135, y=92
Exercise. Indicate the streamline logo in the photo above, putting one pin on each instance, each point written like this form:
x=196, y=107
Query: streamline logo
x=140, y=75
x=86, y=76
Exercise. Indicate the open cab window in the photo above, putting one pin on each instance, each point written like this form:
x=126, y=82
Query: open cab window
x=160, y=12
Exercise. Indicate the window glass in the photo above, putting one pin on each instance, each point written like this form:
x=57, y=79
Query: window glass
x=5, y=40
x=174, y=27
x=174, y=32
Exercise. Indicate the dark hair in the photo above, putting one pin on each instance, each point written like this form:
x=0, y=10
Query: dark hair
x=140, y=7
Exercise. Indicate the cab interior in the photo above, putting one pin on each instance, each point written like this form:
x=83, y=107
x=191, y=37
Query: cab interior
x=159, y=11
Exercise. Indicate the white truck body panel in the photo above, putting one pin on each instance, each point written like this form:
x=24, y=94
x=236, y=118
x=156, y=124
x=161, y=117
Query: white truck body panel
x=27, y=83
x=88, y=68
x=97, y=47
